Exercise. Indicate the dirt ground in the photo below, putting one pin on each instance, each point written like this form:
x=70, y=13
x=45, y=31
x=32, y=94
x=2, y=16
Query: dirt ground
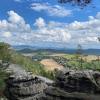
x=50, y=64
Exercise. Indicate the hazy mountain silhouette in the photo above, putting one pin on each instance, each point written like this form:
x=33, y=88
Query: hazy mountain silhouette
x=30, y=49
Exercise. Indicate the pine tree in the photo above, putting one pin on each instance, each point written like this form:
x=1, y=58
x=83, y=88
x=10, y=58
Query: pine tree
x=79, y=55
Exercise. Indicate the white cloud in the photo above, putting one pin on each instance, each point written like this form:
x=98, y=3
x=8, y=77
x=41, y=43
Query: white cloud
x=12, y=29
x=15, y=30
x=85, y=32
x=52, y=10
x=15, y=23
x=40, y=22
x=15, y=18
x=88, y=39
x=7, y=34
x=98, y=15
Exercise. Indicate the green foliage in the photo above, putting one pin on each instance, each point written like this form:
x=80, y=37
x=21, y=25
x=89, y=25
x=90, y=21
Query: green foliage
x=80, y=62
x=27, y=63
x=37, y=68
x=75, y=63
x=34, y=66
x=69, y=56
x=4, y=51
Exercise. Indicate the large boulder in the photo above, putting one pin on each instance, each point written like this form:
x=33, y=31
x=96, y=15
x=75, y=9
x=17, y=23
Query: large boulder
x=75, y=85
x=80, y=81
x=24, y=87
x=69, y=85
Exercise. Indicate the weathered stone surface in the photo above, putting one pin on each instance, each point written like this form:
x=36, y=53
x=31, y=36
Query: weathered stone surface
x=69, y=85
x=4, y=65
x=75, y=85
x=24, y=87
x=54, y=93
x=80, y=81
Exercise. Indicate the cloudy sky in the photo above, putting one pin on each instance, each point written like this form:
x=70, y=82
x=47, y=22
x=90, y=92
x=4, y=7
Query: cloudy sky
x=48, y=23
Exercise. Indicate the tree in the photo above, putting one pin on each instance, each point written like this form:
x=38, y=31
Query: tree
x=79, y=54
x=79, y=49
x=81, y=3
x=4, y=51
x=99, y=39
x=99, y=55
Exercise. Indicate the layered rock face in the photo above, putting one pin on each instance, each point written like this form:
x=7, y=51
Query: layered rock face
x=4, y=65
x=75, y=85
x=69, y=85
x=24, y=87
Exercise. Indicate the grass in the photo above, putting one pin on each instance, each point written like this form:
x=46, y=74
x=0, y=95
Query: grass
x=38, y=69
x=69, y=56
x=28, y=64
x=73, y=62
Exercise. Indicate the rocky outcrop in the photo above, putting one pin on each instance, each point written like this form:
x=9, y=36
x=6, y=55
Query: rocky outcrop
x=24, y=87
x=75, y=85
x=4, y=64
x=69, y=85
x=80, y=81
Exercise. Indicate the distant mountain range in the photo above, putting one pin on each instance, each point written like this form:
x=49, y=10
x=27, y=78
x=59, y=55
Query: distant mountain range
x=30, y=49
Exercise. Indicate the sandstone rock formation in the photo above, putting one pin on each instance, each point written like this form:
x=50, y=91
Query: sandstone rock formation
x=4, y=64
x=69, y=85
x=24, y=87
x=75, y=85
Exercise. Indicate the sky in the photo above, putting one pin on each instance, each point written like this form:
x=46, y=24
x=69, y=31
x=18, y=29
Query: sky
x=47, y=23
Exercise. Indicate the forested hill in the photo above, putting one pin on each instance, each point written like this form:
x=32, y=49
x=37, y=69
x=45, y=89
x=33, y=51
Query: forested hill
x=69, y=51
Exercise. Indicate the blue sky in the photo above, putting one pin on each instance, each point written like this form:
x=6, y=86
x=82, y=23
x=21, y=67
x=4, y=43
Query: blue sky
x=50, y=24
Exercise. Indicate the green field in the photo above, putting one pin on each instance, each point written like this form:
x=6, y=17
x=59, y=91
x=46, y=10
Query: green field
x=72, y=61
